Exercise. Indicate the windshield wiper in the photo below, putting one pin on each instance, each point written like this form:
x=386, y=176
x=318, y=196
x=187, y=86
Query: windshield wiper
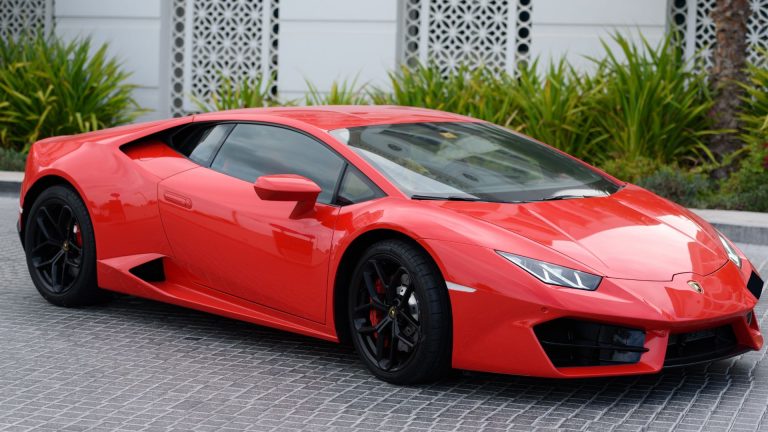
x=566, y=196
x=461, y=198
x=446, y=198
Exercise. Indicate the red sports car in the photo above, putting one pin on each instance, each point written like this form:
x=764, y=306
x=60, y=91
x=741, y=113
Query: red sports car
x=428, y=239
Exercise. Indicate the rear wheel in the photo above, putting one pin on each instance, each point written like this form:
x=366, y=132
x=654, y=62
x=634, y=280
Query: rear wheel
x=399, y=314
x=60, y=248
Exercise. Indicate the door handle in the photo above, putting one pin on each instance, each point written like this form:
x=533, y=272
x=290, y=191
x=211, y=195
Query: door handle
x=179, y=200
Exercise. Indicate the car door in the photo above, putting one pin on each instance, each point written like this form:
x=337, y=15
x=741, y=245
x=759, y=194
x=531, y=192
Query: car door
x=230, y=240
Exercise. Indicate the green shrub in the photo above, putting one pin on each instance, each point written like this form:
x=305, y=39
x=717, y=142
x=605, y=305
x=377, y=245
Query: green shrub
x=631, y=170
x=12, y=160
x=558, y=108
x=244, y=93
x=344, y=93
x=478, y=92
x=683, y=187
x=653, y=105
x=49, y=87
x=755, y=110
x=747, y=187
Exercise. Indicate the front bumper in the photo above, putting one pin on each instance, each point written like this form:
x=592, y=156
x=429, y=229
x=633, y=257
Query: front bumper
x=494, y=322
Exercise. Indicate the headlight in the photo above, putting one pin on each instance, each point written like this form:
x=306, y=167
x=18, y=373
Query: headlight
x=554, y=274
x=732, y=254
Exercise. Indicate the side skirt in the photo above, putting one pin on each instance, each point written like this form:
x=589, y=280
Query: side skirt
x=115, y=274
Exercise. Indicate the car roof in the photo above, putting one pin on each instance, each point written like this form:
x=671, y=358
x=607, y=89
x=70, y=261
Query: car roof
x=329, y=117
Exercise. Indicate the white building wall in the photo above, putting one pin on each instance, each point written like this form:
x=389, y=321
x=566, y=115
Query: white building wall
x=331, y=40
x=323, y=41
x=135, y=34
x=574, y=28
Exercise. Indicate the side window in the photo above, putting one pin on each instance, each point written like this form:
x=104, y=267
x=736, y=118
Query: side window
x=252, y=151
x=356, y=188
x=199, y=143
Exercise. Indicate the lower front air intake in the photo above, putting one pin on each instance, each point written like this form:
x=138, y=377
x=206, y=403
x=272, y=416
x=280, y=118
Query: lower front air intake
x=571, y=342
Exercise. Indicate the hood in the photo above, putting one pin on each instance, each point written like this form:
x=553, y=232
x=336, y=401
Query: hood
x=632, y=234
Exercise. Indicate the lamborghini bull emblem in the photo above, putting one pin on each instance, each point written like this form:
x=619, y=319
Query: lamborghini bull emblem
x=696, y=286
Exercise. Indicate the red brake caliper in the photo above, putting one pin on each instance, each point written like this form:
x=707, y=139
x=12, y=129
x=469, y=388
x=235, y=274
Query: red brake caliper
x=376, y=315
x=78, y=235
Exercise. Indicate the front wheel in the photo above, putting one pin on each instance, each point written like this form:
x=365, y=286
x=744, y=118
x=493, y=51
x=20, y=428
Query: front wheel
x=399, y=314
x=61, y=249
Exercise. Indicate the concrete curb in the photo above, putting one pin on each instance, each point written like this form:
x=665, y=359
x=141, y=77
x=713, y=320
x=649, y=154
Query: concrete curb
x=739, y=226
x=10, y=182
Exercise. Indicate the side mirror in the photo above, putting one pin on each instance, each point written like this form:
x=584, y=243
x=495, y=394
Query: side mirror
x=288, y=187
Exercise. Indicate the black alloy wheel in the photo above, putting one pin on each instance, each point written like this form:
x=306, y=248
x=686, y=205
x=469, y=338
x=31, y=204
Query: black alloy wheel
x=400, y=314
x=60, y=248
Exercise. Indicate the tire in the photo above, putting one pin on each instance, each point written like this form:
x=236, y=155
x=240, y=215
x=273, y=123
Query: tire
x=399, y=314
x=61, y=249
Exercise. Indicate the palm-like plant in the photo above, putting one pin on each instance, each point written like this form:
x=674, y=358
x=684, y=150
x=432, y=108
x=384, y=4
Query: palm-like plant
x=653, y=105
x=50, y=87
x=246, y=92
x=557, y=106
x=754, y=115
x=479, y=92
x=340, y=93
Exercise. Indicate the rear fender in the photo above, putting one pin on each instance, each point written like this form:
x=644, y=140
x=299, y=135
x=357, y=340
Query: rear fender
x=121, y=198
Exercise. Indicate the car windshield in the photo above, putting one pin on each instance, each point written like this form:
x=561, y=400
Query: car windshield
x=472, y=162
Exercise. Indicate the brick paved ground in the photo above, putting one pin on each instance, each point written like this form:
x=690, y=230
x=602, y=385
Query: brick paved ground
x=139, y=365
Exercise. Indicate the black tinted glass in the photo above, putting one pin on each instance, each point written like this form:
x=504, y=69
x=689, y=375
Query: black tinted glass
x=208, y=144
x=199, y=142
x=472, y=161
x=356, y=188
x=252, y=151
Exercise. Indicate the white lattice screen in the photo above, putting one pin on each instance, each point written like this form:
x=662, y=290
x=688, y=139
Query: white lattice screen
x=19, y=16
x=235, y=37
x=757, y=31
x=691, y=18
x=495, y=33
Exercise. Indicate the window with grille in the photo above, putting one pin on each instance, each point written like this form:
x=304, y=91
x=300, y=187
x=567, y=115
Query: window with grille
x=692, y=20
x=20, y=16
x=234, y=38
x=448, y=33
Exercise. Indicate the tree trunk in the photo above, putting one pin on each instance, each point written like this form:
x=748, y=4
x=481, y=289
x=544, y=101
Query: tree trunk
x=730, y=59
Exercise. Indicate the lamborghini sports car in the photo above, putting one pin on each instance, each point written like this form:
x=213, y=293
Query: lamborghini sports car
x=429, y=240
